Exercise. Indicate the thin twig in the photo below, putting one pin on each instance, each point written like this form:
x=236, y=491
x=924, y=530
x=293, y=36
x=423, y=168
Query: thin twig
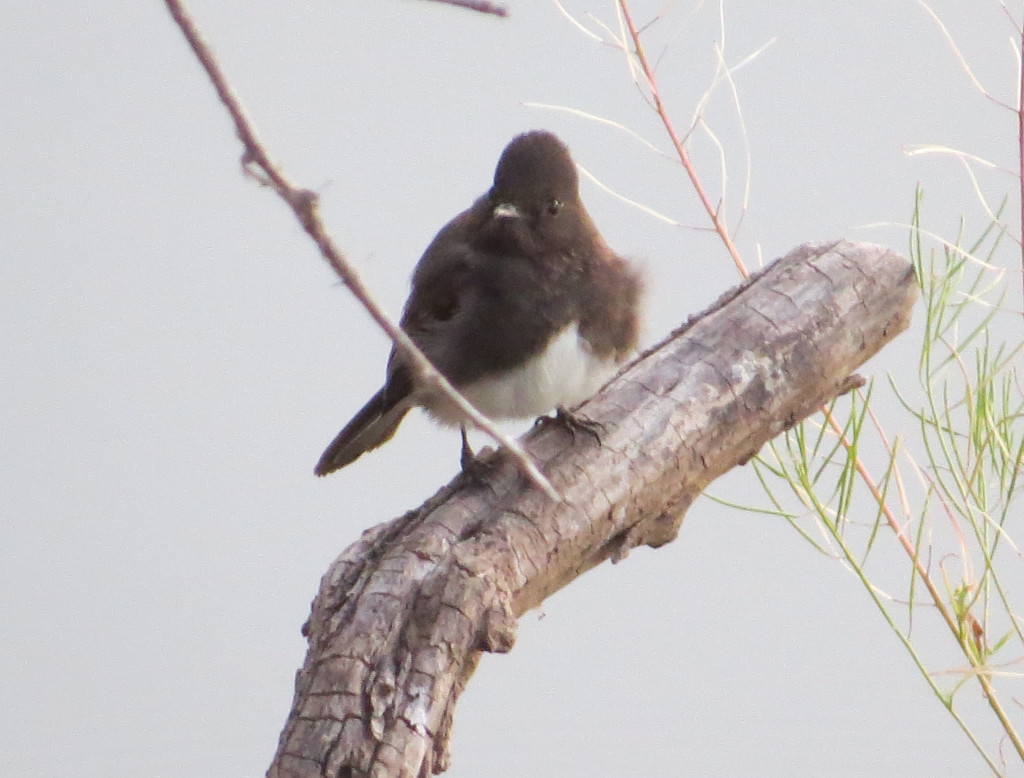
x=1020, y=145
x=925, y=577
x=837, y=428
x=713, y=213
x=961, y=58
x=482, y=6
x=305, y=204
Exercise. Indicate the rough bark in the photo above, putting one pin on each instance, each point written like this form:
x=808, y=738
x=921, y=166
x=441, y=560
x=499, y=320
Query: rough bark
x=403, y=615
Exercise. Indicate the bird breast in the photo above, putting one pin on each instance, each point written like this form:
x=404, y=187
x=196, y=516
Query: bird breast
x=564, y=374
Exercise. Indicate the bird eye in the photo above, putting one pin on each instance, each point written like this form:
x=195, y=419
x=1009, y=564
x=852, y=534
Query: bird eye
x=554, y=207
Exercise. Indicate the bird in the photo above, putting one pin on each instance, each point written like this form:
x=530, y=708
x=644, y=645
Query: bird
x=517, y=301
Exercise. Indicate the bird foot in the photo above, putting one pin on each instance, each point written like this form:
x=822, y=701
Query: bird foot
x=574, y=423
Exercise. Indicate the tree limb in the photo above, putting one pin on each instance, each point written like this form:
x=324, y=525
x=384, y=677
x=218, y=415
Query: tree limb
x=403, y=615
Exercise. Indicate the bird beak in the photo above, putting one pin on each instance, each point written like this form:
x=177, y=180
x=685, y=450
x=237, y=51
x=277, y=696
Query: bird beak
x=506, y=211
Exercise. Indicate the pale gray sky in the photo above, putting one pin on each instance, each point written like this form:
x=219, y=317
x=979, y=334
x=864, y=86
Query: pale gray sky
x=174, y=356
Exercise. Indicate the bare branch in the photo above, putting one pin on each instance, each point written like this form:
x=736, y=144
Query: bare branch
x=482, y=6
x=403, y=615
x=304, y=203
x=678, y=143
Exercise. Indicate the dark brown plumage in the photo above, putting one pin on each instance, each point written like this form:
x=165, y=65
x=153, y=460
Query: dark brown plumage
x=517, y=301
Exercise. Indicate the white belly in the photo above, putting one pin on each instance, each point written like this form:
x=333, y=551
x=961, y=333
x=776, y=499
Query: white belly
x=565, y=374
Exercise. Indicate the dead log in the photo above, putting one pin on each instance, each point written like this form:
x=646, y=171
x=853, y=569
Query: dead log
x=403, y=615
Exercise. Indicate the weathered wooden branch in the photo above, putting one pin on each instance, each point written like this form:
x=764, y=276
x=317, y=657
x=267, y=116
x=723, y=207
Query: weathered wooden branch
x=403, y=615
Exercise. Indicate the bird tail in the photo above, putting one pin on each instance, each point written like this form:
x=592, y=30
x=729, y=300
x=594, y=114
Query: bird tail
x=371, y=427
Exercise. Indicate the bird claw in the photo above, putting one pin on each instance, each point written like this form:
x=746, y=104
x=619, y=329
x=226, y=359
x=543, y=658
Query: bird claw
x=475, y=466
x=574, y=423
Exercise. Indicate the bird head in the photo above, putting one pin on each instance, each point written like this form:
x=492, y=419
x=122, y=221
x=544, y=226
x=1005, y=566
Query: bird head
x=535, y=200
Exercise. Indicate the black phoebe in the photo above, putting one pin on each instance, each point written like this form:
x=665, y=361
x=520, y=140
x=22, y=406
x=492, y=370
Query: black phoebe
x=518, y=302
